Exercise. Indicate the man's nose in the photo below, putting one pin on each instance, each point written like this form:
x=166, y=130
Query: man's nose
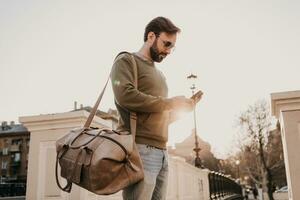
x=168, y=51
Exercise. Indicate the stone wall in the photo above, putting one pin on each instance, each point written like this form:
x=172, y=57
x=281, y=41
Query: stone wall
x=185, y=181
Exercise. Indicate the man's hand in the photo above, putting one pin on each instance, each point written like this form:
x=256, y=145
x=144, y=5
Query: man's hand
x=182, y=103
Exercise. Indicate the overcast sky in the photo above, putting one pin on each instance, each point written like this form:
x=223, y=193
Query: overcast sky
x=55, y=52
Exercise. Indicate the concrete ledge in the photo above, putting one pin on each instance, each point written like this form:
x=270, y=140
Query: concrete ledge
x=61, y=120
x=284, y=101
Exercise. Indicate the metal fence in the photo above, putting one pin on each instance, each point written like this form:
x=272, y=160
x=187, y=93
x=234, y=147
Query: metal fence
x=222, y=187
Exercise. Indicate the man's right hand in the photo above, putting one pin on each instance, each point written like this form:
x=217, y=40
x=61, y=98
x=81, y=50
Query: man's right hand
x=182, y=103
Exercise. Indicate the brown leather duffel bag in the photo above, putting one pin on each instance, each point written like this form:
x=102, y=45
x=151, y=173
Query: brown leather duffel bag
x=101, y=160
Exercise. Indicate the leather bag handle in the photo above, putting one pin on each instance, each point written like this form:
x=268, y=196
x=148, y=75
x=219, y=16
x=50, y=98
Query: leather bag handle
x=71, y=146
x=68, y=186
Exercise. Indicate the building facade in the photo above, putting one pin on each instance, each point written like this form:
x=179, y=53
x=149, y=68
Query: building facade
x=14, y=148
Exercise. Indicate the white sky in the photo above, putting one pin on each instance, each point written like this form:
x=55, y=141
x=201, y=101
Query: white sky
x=55, y=52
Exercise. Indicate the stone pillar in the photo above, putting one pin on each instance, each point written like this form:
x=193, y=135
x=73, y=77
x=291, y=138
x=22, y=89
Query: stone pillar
x=286, y=107
x=45, y=130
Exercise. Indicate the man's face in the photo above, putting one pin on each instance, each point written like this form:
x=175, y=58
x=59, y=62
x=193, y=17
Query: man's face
x=162, y=46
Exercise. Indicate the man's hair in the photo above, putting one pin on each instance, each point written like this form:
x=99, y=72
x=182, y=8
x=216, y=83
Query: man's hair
x=160, y=24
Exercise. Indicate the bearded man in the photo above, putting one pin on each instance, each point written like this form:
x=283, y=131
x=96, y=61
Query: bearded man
x=151, y=103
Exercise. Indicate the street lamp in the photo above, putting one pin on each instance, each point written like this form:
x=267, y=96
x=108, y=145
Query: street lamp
x=237, y=162
x=197, y=149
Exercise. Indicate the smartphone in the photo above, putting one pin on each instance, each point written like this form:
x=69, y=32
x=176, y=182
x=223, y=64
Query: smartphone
x=197, y=95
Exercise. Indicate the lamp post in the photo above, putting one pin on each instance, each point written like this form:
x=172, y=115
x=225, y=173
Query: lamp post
x=237, y=162
x=246, y=178
x=197, y=149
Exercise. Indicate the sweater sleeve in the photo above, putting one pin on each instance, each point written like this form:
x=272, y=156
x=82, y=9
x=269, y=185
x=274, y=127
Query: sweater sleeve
x=129, y=97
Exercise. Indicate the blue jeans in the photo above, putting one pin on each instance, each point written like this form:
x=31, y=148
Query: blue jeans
x=154, y=185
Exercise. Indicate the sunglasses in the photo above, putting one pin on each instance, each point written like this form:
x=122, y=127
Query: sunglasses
x=167, y=44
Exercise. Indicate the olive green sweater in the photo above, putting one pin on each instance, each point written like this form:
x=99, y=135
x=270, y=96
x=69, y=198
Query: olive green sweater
x=149, y=100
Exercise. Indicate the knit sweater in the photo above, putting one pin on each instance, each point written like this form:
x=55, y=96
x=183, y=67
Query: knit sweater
x=149, y=100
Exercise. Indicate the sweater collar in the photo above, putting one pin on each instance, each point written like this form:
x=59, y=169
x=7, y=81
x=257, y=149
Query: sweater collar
x=139, y=56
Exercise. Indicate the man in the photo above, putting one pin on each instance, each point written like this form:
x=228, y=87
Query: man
x=255, y=192
x=154, y=109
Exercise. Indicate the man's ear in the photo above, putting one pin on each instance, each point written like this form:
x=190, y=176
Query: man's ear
x=151, y=37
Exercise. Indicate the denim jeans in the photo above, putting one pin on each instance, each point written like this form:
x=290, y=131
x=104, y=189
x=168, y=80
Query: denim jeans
x=154, y=185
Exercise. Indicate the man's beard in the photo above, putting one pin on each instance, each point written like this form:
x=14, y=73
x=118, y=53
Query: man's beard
x=154, y=53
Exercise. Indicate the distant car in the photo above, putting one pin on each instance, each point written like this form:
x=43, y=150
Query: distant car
x=283, y=189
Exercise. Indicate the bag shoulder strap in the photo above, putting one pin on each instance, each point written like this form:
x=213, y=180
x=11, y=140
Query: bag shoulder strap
x=133, y=116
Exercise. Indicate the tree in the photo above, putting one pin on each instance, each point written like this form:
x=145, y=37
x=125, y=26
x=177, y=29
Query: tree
x=256, y=123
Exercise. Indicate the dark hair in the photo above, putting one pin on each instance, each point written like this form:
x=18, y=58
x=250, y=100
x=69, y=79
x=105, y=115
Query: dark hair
x=160, y=24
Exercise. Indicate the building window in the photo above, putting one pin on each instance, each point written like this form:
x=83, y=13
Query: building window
x=17, y=157
x=4, y=164
x=16, y=141
x=5, y=151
